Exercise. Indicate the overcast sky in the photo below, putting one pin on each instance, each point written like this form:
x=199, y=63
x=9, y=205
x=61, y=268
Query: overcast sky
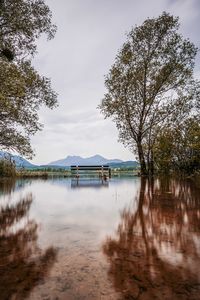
x=90, y=32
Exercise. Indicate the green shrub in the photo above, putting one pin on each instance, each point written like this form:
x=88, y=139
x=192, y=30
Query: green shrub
x=7, y=168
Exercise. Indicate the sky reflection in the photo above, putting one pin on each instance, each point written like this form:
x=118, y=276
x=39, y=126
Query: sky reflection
x=131, y=239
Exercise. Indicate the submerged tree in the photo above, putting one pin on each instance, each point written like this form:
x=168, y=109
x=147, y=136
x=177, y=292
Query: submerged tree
x=150, y=85
x=22, y=89
x=178, y=148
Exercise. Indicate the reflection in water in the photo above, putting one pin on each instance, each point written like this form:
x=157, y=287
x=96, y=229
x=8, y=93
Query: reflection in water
x=22, y=263
x=89, y=182
x=8, y=186
x=156, y=251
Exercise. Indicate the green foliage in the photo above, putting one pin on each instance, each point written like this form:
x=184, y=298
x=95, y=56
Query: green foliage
x=7, y=168
x=178, y=148
x=22, y=93
x=22, y=90
x=150, y=85
x=22, y=22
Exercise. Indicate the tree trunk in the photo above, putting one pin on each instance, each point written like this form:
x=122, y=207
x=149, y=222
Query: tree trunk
x=143, y=167
x=151, y=164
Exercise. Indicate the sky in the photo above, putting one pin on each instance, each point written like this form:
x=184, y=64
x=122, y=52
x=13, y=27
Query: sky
x=89, y=35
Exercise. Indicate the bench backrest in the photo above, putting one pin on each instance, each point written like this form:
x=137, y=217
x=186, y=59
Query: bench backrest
x=90, y=168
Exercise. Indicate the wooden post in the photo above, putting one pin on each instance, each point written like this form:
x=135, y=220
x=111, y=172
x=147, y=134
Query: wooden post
x=102, y=171
x=77, y=174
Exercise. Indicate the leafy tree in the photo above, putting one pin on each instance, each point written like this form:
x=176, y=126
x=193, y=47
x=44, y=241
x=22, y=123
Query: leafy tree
x=22, y=93
x=178, y=148
x=150, y=85
x=22, y=22
x=23, y=90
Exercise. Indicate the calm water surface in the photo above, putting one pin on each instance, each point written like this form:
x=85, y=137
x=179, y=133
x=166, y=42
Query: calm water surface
x=123, y=239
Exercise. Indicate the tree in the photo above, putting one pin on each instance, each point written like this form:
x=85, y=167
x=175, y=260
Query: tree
x=150, y=85
x=22, y=93
x=22, y=22
x=178, y=148
x=23, y=90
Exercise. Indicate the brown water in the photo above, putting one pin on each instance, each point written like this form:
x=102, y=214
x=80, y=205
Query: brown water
x=123, y=239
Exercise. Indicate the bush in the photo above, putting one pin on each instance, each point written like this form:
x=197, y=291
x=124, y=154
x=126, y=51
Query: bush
x=7, y=168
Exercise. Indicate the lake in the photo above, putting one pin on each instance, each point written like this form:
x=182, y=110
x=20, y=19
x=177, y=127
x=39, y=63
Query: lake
x=127, y=238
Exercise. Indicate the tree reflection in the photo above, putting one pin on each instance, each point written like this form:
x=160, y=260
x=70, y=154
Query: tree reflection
x=9, y=185
x=22, y=263
x=155, y=253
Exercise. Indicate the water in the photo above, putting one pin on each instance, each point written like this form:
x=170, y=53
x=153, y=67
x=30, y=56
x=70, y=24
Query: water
x=122, y=239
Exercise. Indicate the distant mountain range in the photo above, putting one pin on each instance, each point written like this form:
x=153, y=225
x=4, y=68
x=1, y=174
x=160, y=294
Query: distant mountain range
x=70, y=160
x=78, y=160
x=19, y=161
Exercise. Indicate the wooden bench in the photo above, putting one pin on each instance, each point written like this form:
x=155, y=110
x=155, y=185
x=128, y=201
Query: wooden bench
x=94, y=170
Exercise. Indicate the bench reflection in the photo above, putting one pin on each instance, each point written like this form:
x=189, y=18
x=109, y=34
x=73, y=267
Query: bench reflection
x=89, y=182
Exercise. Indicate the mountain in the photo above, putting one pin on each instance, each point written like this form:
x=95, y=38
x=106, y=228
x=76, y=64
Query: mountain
x=78, y=160
x=125, y=164
x=19, y=161
x=71, y=160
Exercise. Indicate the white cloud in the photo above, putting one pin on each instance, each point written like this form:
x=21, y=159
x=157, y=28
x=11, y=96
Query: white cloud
x=90, y=32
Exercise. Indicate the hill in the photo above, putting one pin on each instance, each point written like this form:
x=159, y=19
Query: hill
x=65, y=163
x=19, y=161
x=125, y=164
x=78, y=160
